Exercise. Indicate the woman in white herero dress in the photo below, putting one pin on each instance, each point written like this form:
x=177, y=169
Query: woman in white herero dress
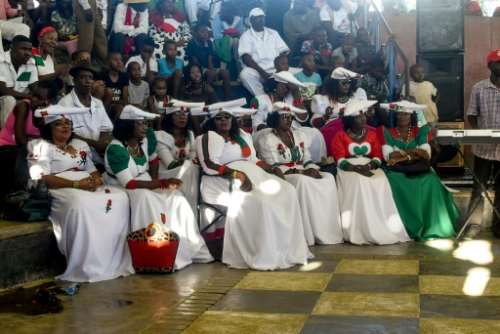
x=368, y=211
x=131, y=162
x=286, y=148
x=280, y=89
x=177, y=152
x=263, y=227
x=90, y=221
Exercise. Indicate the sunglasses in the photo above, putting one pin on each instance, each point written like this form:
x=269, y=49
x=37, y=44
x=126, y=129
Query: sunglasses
x=286, y=117
x=222, y=117
x=345, y=82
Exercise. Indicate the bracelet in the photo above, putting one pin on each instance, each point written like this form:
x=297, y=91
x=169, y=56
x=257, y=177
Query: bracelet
x=76, y=184
x=221, y=170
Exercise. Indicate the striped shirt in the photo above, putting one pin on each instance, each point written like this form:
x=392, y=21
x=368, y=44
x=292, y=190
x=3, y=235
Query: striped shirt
x=485, y=104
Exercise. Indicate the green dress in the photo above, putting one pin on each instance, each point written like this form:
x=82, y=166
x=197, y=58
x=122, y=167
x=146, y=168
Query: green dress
x=427, y=209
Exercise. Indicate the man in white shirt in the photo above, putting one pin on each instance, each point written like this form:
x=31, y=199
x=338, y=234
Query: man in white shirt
x=92, y=34
x=94, y=127
x=18, y=73
x=193, y=7
x=148, y=63
x=130, y=26
x=337, y=15
x=258, y=47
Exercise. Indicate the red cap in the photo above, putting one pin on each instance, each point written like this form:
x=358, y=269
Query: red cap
x=493, y=56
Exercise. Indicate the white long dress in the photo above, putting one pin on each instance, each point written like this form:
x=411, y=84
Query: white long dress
x=90, y=227
x=149, y=206
x=189, y=172
x=368, y=211
x=263, y=227
x=317, y=197
x=264, y=106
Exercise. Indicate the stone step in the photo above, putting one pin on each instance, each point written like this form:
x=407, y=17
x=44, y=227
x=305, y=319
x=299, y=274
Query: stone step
x=28, y=251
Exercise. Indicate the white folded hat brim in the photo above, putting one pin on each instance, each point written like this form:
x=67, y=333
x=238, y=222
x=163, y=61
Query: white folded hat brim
x=355, y=107
x=133, y=113
x=341, y=73
x=284, y=108
x=403, y=106
x=54, y=112
x=288, y=78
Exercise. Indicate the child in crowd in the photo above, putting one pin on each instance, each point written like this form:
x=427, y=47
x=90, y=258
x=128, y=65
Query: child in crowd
x=170, y=67
x=138, y=89
x=424, y=92
x=375, y=82
x=158, y=100
x=348, y=52
x=281, y=63
x=197, y=90
x=200, y=51
x=318, y=46
x=116, y=81
x=309, y=76
x=145, y=59
x=337, y=62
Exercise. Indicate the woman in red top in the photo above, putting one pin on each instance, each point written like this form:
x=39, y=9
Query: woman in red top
x=368, y=212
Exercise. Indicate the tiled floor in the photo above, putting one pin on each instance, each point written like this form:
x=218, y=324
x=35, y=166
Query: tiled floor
x=436, y=287
x=439, y=287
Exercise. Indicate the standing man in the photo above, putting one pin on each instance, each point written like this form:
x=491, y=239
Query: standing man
x=91, y=30
x=484, y=113
x=95, y=126
x=258, y=48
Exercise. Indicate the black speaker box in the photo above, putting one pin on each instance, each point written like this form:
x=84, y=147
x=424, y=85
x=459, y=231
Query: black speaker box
x=440, y=25
x=446, y=72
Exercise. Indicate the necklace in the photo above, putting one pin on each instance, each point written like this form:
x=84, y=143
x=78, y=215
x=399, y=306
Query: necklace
x=357, y=137
x=408, y=135
x=343, y=99
x=134, y=151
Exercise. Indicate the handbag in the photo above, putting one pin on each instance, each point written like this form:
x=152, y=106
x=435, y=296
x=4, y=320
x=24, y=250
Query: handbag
x=153, y=250
x=411, y=167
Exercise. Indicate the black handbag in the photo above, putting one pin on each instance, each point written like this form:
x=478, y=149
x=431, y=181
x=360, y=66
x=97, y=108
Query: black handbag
x=411, y=167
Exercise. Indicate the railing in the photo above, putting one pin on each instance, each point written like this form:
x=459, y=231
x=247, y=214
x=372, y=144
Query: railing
x=393, y=47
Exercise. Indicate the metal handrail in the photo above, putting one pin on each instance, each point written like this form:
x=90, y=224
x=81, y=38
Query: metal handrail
x=398, y=48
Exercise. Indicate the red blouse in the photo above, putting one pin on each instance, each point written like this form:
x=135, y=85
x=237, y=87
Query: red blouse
x=343, y=146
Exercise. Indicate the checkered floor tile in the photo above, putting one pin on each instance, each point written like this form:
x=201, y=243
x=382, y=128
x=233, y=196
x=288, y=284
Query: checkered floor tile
x=348, y=292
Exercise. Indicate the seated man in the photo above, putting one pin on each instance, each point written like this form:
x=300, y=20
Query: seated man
x=94, y=127
x=130, y=26
x=18, y=73
x=299, y=22
x=258, y=48
x=337, y=16
x=11, y=21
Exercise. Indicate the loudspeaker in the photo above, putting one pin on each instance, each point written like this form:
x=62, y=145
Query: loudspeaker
x=440, y=25
x=446, y=72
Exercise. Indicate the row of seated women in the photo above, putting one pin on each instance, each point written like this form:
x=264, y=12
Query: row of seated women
x=278, y=201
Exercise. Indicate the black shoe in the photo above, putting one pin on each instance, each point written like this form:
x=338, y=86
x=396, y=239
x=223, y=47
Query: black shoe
x=472, y=232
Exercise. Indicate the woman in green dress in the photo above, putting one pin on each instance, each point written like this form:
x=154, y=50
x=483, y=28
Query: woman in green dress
x=426, y=207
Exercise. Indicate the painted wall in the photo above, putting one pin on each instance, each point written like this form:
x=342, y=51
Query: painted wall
x=482, y=34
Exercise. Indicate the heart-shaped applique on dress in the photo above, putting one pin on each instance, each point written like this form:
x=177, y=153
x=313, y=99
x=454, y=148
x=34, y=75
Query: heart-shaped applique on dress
x=359, y=150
